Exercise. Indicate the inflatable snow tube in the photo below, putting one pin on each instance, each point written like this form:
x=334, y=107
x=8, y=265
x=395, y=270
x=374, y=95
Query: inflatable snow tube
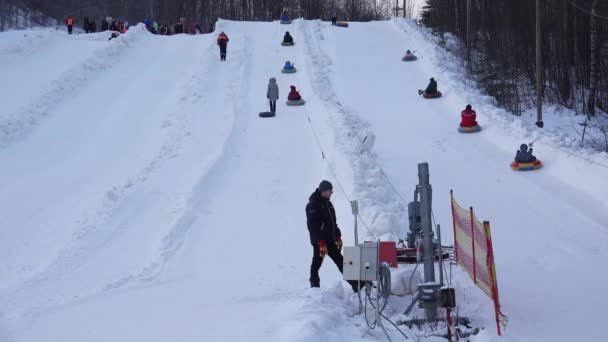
x=288, y=71
x=432, y=96
x=295, y=102
x=287, y=44
x=341, y=24
x=515, y=166
x=285, y=22
x=409, y=59
x=473, y=129
x=266, y=114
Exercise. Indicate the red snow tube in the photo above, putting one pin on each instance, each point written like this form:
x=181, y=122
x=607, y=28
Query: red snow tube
x=515, y=166
x=432, y=96
x=342, y=24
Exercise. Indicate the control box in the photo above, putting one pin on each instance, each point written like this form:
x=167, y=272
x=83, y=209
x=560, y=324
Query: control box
x=361, y=262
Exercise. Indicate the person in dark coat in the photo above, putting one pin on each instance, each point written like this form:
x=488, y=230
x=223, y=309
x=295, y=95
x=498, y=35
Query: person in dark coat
x=325, y=235
x=87, y=25
x=468, y=117
x=334, y=17
x=524, y=155
x=273, y=94
x=93, y=26
x=222, y=41
x=179, y=28
x=104, y=25
x=432, y=87
x=287, y=38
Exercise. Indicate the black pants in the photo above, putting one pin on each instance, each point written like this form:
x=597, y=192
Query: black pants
x=333, y=252
x=273, y=106
x=334, y=20
x=69, y=29
x=222, y=53
x=336, y=256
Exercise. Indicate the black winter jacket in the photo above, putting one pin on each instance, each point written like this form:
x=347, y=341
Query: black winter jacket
x=321, y=219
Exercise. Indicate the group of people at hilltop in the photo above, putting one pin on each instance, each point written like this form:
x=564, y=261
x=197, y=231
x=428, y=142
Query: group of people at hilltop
x=90, y=26
x=110, y=24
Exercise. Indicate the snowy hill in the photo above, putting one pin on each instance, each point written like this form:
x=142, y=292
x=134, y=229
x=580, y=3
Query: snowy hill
x=143, y=199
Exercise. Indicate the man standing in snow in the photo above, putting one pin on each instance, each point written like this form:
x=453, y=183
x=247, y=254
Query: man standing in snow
x=325, y=236
x=222, y=41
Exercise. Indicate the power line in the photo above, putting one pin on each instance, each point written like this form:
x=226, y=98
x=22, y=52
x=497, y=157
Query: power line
x=587, y=11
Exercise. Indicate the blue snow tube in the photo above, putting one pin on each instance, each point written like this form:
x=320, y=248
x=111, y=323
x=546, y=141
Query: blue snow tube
x=288, y=71
x=295, y=102
x=407, y=58
x=287, y=44
x=473, y=129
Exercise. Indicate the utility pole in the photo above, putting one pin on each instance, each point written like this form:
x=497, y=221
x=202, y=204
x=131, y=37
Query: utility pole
x=469, y=33
x=593, y=65
x=539, y=68
x=456, y=16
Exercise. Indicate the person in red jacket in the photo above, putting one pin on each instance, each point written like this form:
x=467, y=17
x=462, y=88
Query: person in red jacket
x=222, y=41
x=293, y=94
x=468, y=117
x=69, y=22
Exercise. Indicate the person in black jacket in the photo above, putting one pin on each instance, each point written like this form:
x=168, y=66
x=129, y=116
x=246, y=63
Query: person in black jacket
x=325, y=235
x=288, y=39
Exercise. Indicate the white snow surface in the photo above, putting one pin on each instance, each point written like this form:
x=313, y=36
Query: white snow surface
x=143, y=199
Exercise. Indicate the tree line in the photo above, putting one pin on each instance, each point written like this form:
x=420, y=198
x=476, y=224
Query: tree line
x=203, y=12
x=499, y=50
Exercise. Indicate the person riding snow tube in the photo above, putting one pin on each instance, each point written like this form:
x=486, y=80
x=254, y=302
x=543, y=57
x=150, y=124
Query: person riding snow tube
x=287, y=39
x=288, y=68
x=468, y=124
x=285, y=19
x=294, y=98
x=525, y=160
x=431, y=91
x=409, y=56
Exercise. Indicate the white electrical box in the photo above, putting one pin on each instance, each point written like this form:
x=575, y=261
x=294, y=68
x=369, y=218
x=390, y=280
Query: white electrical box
x=361, y=262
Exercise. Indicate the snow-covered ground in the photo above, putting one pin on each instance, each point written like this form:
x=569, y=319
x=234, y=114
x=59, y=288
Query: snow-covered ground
x=143, y=199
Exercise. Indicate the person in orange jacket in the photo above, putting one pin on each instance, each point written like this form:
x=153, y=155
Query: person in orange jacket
x=222, y=41
x=69, y=22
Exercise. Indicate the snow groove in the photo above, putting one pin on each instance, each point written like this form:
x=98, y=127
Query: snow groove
x=380, y=206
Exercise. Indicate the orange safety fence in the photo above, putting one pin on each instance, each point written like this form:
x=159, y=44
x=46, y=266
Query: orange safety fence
x=473, y=251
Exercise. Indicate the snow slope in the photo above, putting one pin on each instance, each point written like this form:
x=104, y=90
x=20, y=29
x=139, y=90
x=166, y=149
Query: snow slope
x=142, y=199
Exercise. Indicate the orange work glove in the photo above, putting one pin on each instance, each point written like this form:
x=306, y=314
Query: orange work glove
x=322, y=248
x=339, y=244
